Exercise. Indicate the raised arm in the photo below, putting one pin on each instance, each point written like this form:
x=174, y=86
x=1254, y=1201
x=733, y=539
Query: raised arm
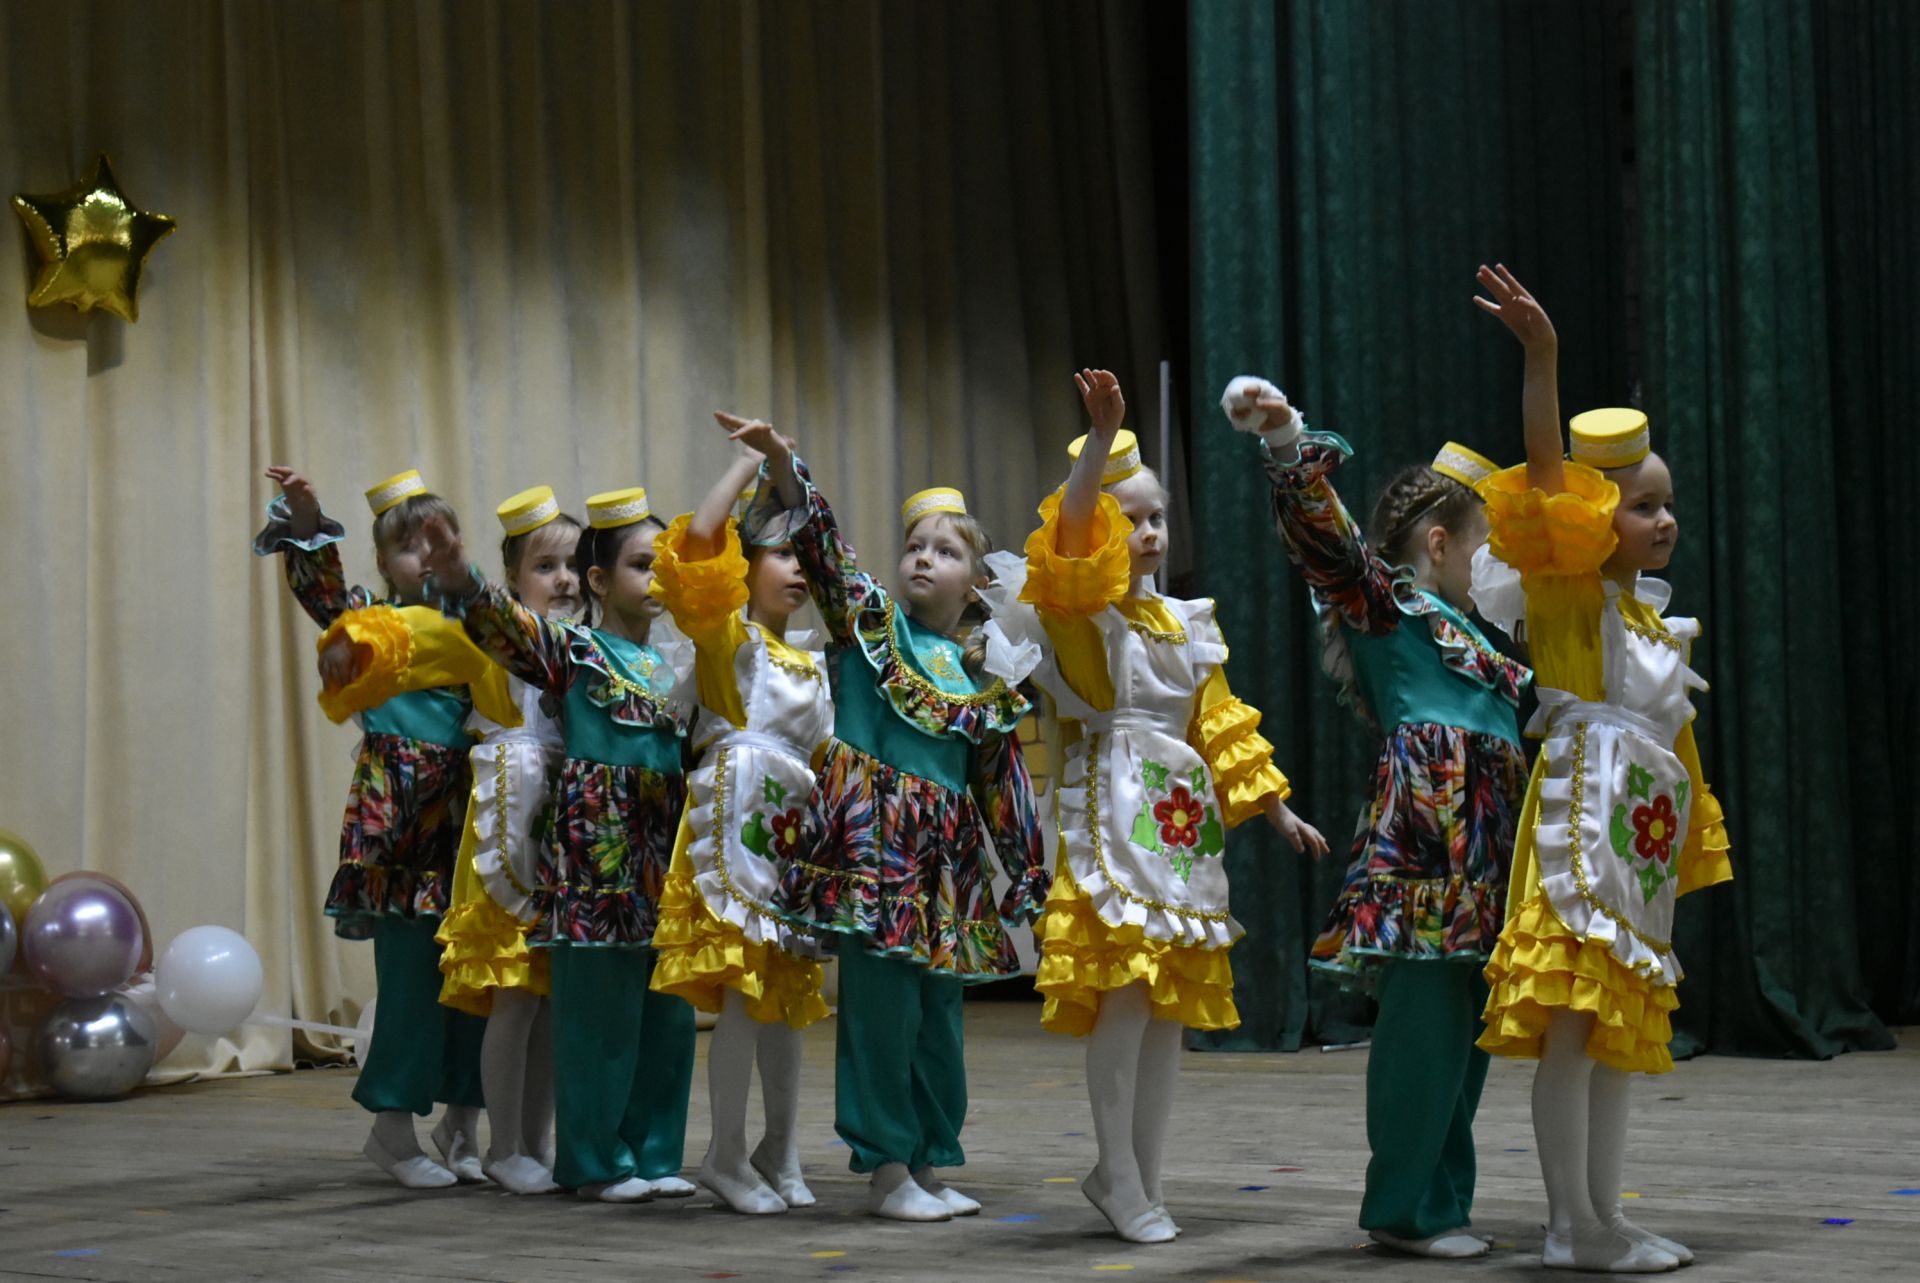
x=305, y=536
x=707, y=531
x=531, y=648
x=1540, y=390
x=1100, y=393
x=840, y=588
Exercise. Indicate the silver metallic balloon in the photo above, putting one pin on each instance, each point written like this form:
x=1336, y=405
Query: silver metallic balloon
x=9, y=937
x=95, y=1048
x=83, y=938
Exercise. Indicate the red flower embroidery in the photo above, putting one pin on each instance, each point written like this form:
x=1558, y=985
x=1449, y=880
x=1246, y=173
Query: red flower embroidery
x=1654, y=829
x=1179, y=816
x=785, y=831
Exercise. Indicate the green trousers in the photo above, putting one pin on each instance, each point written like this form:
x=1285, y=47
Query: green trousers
x=622, y=1067
x=422, y=1051
x=900, y=1088
x=1424, y=1077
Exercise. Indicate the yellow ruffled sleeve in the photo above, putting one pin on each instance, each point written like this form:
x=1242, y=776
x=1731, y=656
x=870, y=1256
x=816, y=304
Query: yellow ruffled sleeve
x=1705, y=861
x=409, y=648
x=1558, y=543
x=1227, y=735
x=705, y=596
x=1078, y=586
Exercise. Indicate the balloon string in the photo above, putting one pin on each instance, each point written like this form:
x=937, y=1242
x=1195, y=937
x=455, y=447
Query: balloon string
x=312, y=1027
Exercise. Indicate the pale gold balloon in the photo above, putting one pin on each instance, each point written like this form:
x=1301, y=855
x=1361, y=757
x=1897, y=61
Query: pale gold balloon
x=93, y=244
x=22, y=879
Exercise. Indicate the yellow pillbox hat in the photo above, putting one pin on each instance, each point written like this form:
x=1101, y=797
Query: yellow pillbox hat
x=927, y=502
x=1610, y=438
x=399, y=486
x=1468, y=467
x=528, y=510
x=618, y=508
x=1123, y=456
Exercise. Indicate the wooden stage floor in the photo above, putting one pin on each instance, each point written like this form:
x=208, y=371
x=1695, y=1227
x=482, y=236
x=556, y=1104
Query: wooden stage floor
x=261, y=1178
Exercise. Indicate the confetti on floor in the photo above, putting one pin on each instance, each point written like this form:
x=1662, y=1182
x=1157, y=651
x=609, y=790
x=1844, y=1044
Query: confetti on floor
x=1838, y=1220
x=1906, y=1192
x=1288, y=1169
x=1516, y=1151
x=1629, y=1193
x=94, y=1251
x=1061, y=1180
x=1253, y=1189
x=1113, y=1268
x=1020, y=1219
x=1503, y=1247
x=821, y=1256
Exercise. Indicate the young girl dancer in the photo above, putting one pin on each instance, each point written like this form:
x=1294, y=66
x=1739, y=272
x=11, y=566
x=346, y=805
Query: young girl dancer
x=1424, y=896
x=922, y=768
x=623, y=1056
x=1134, y=944
x=720, y=939
x=1619, y=820
x=487, y=968
x=399, y=838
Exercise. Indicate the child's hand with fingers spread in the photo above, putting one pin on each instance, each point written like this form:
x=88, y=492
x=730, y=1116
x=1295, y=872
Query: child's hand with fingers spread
x=1516, y=308
x=303, y=505
x=1100, y=393
x=446, y=559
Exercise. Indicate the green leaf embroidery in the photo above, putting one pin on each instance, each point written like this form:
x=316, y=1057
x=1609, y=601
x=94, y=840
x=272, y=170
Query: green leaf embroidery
x=1621, y=836
x=774, y=791
x=755, y=836
x=1213, y=835
x=1199, y=778
x=1183, y=864
x=1639, y=782
x=1651, y=879
x=1680, y=792
x=1146, y=833
x=1154, y=775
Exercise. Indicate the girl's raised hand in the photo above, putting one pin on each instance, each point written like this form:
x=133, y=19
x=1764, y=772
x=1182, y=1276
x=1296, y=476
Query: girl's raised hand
x=303, y=505
x=446, y=558
x=1516, y=308
x=1100, y=393
x=757, y=437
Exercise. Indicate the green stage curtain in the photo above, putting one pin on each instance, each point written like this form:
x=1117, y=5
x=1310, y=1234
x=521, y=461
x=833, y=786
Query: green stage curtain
x=1712, y=200
x=1760, y=431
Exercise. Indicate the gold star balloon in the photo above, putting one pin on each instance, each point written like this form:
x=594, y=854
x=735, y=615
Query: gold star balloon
x=92, y=243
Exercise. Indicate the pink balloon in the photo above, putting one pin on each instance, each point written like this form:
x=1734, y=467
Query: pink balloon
x=83, y=938
x=146, y=930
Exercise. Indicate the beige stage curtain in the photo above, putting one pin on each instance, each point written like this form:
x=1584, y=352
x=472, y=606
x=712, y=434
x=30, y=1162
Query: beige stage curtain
x=506, y=244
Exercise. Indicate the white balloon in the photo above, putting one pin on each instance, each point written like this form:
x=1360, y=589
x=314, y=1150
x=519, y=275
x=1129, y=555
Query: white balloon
x=209, y=980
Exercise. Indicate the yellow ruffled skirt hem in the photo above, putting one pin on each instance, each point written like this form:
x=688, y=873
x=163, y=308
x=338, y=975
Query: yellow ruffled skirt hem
x=700, y=957
x=1539, y=967
x=483, y=948
x=1081, y=958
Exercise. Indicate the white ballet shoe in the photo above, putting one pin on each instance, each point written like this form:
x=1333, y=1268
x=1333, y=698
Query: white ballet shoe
x=893, y=1194
x=415, y=1172
x=1454, y=1245
x=1603, y=1251
x=457, y=1149
x=521, y=1174
x=630, y=1190
x=1135, y=1224
x=748, y=1195
x=957, y=1203
x=674, y=1187
x=784, y=1177
x=1678, y=1251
